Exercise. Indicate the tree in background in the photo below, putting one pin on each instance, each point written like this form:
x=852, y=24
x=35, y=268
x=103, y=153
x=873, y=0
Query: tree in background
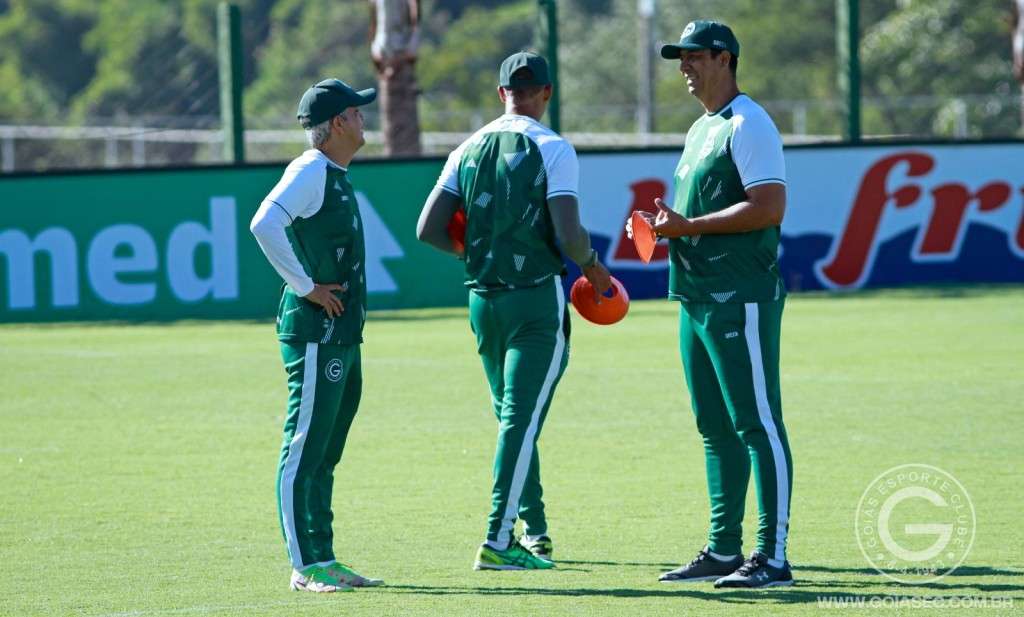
x=394, y=43
x=42, y=59
x=43, y=66
x=307, y=41
x=459, y=74
x=152, y=65
x=939, y=49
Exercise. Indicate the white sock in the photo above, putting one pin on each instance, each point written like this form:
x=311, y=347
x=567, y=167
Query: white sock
x=498, y=546
x=530, y=538
x=718, y=557
x=776, y=563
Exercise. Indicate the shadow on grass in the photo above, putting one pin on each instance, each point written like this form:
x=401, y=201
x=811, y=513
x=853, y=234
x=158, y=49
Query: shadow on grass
x=779, y=595
x=850, y=583
x=668, y=591
x=617, y=564
x=958, y=580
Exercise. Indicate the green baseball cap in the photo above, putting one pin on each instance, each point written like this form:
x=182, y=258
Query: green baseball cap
x=703, y=34
x=329, y=98
x=524, y=59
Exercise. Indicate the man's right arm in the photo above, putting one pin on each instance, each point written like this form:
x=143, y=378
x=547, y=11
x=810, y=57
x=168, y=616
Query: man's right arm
x=268, y=225
x=432, y=227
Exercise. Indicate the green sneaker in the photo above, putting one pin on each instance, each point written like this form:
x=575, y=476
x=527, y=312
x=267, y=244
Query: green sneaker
x=515, y=557
x=540, y=546
x=317, y=579
x=342, y=572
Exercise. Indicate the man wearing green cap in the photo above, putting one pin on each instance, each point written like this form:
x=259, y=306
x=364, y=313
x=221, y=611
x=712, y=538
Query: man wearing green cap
x=723, y=231
x=310, y=229
x=517, y=181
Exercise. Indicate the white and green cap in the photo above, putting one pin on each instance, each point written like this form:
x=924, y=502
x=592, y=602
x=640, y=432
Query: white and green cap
x=703, y=34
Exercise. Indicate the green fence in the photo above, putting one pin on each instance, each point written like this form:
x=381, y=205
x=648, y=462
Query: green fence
x=164, y=245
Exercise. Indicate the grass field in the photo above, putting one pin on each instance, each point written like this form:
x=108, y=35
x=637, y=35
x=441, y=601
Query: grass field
x=137, y=463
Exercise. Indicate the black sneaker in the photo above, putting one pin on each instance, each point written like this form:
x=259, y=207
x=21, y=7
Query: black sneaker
x=755, y=572
x=703, y=568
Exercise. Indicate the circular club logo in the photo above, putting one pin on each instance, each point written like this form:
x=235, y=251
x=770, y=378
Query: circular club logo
x=335, y=369
x=915, y=524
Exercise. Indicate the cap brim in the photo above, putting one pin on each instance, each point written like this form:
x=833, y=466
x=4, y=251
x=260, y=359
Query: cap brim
x=671, y=51
x=519, y=83
x=366, y=96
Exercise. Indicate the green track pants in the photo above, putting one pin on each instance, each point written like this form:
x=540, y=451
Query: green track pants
x=523, y=341
x=731, y=359
x=325, y=383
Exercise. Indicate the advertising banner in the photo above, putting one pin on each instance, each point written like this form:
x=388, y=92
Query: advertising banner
x=856, y=217
x=163, y=245
x=885, y=217
x=175, y=244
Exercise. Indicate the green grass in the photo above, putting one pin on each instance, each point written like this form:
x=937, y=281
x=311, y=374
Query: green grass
x=137, y=462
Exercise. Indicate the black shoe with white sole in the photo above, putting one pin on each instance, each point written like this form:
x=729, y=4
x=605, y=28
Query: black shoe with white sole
x=703, y=568
x=756, y=572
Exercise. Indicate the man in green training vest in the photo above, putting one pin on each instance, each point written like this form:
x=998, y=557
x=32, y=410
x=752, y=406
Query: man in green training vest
x=310, y=229
x=518, y=182
x=723, y=231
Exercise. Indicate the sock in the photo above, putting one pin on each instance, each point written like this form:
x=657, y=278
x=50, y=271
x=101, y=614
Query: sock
x=530, y=538
x=718, y=557
x=498, y=546
x=776, y=563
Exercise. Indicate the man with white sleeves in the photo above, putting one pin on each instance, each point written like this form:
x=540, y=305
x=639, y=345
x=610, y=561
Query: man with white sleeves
x=517, y=181
x=310, y=229
x=723, y=231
